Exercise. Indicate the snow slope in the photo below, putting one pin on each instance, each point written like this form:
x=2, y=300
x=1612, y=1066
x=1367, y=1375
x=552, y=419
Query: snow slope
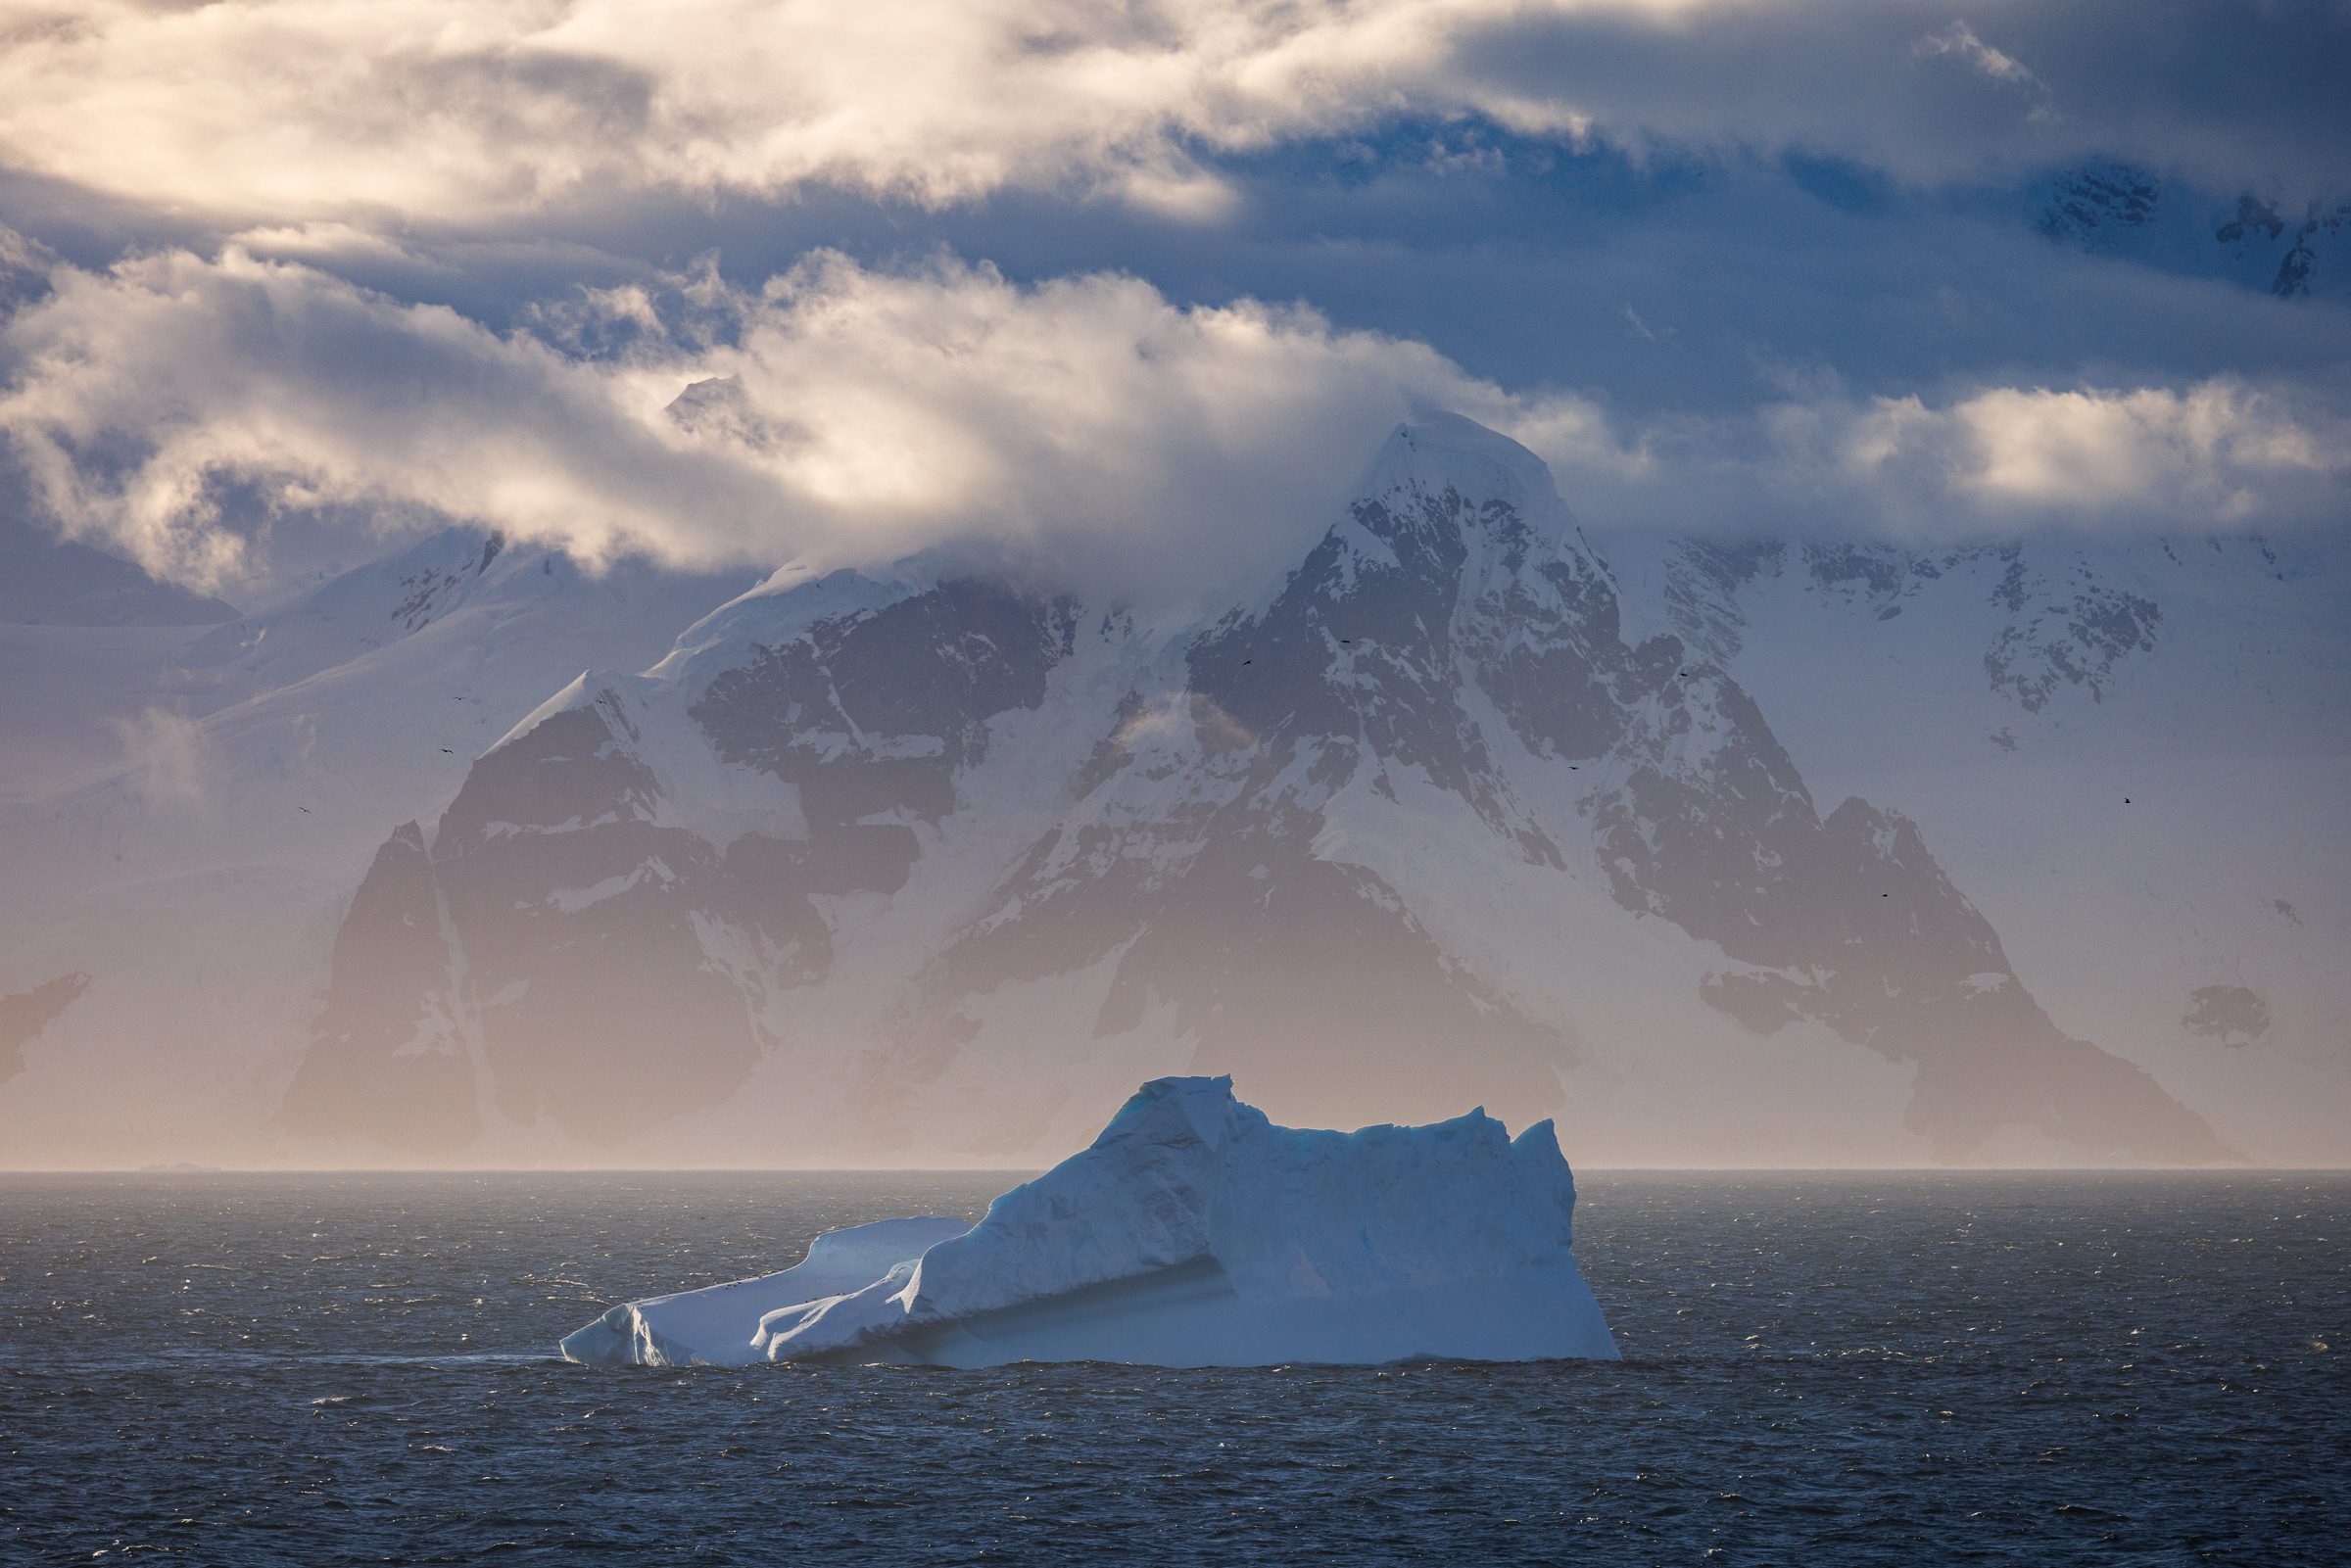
x=197, y=873
x=2130, y=752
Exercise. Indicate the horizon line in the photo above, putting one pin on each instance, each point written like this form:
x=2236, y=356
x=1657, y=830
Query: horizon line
x=191, y=1169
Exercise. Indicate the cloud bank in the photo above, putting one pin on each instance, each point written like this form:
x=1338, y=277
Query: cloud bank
x=439, y=112
x=843, y=413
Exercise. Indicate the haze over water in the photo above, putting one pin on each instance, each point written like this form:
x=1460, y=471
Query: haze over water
x=1864, y=1369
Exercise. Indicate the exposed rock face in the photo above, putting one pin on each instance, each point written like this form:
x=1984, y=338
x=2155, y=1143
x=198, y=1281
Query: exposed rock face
x=2056, y=626
x=24, y=1016
x=385, y=1051
x=872, y=829
x=1190, y=859
x=2073, y=634
x=879, y=712
x=602, y=963
x=1915, y=974
x=2090, y=207
x=2112, y=209
x=2234, y=1014
x=2258, y=223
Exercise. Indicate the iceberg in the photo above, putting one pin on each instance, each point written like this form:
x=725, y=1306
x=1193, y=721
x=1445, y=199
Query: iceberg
x=1192, y=1232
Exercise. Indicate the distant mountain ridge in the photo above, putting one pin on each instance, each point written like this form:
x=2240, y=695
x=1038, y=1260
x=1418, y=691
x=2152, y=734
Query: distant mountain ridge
x=1722, y=852
x=923, y=842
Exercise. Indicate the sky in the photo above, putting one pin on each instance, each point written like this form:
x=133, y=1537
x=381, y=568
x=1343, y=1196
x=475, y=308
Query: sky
x=1122, y=287
x=1124, y=294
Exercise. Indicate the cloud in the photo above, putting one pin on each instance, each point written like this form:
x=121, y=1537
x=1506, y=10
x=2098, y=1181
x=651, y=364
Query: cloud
x=21, y=256
x=1960, y=40
x=838, y=415
x=2217, y=453
x=1993, y=462
x=170, y=759
x=2218, y=445
x=298, y=110
x=383, y=114
x=841, y=414
x=144, y=393
x=25, y=265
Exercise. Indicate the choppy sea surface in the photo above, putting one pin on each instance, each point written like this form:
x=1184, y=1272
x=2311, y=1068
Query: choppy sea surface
x=1818, y=1369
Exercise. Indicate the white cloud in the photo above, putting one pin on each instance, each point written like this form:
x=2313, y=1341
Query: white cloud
x=18, y=255
x=388, y=112
x=838, y=415
x=440, y=109
x=842, y=415
x=1999, y=461
x=2108, y=450
x=140, y=391
x=1960, y=40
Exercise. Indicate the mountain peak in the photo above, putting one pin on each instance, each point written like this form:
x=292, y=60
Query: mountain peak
x=1441, y=450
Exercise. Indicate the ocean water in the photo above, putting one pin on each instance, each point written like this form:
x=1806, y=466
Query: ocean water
x=1895, y=1369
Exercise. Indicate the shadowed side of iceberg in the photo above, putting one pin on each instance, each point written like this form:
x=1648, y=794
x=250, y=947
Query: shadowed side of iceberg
x=1191, y=1315
x=1195, y=1232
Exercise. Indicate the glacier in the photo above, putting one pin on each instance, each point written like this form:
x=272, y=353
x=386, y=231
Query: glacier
x=1192, y=1232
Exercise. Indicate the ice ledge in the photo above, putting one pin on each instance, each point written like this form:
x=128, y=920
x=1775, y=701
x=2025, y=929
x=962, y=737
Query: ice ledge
x=1192, y=1232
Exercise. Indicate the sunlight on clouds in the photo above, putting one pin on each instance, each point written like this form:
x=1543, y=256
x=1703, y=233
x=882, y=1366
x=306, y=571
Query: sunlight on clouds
x=446, y=113
x=841, y=414
x=139, y=392
x=2104, y=449
x=330, y=244
x=2219, y=452
x=1992, y=464
x=1959, y=42
x=444, y=109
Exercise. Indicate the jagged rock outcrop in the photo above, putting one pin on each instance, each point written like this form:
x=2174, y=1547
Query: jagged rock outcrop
x=24, y=1016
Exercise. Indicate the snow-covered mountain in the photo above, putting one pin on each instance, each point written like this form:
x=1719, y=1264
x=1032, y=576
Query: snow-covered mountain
x=194, y=803
x=930, y=863
x=1758, y=853
x=2131, y=753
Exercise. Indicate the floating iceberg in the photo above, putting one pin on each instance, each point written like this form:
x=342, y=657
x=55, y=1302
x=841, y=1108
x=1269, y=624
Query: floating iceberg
x=1193, y=1232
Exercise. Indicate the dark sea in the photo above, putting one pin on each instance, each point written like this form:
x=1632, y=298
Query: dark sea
x=1898, y=1370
